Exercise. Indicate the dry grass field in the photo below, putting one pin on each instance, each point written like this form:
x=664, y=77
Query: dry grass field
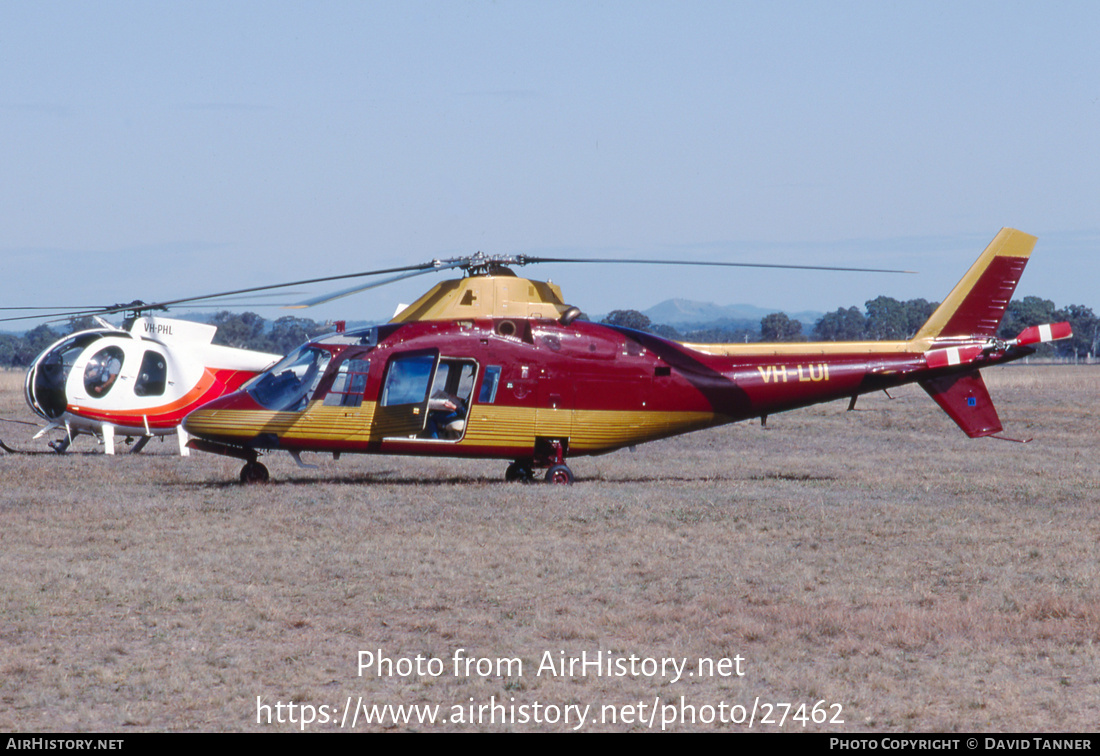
x=875, y=559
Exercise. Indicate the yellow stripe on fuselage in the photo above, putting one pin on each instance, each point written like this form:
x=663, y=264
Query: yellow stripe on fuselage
x=488, y=426
x=317, y=422
x=807, y=348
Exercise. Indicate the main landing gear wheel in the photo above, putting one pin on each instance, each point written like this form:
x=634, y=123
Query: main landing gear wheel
x=254, y=472
x=518, y=472
x=560, y=474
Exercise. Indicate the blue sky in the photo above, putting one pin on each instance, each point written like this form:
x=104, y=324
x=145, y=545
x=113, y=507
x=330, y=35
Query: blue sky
x=167, y=149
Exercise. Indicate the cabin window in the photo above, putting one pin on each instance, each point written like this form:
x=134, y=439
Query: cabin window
x=456, y=377
x=102, y=371
x=349, y=385
x=489, y=384
x=153, y=375
x=408, y=380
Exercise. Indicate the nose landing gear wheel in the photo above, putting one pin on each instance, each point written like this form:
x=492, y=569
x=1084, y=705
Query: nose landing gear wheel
x=560, y=474
x=518, y=472
x=254, y=472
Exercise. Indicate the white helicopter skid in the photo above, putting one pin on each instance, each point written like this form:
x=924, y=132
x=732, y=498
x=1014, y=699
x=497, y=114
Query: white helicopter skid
x=105, y=433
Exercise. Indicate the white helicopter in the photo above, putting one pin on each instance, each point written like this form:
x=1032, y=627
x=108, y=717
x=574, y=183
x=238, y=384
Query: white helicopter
x=138, y=382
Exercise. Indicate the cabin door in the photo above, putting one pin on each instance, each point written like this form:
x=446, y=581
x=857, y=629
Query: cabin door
x=402, y=410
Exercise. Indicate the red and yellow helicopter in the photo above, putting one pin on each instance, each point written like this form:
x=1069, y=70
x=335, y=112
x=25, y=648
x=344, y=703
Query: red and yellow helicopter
x=495, y=366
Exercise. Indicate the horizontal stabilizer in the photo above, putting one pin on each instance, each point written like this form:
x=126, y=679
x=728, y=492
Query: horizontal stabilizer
x=1042, y=333
x=964, y=398
x=937, y=358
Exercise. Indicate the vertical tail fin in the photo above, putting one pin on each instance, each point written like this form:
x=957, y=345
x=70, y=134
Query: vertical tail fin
x=976, y=306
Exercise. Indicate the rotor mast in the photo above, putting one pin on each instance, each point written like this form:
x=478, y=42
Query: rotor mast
x=495, y=292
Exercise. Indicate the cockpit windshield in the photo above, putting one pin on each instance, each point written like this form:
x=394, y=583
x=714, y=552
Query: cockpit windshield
x=288, y=386
x=46, y=389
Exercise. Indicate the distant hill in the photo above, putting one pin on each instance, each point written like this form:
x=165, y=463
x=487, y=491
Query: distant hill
x=682, y=312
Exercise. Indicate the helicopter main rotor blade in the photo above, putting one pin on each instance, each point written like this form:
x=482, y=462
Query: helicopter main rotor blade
x=524, y=260
x=79, y=308
x=471, y=263
x=323, y=279
x=55, y=316
x=445, y=265
x=138, y=306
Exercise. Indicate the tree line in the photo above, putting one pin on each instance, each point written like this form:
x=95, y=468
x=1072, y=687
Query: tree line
x=244, y=330
x=883, y=318
x=888, y=319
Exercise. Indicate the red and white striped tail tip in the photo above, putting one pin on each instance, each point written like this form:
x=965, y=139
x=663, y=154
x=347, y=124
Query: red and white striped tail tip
x=1041, y=333
x=960, y=355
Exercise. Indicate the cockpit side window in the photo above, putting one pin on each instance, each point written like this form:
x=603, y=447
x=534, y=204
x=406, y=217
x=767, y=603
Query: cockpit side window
x=102, y=371
x=153, y=375
x=349, y=384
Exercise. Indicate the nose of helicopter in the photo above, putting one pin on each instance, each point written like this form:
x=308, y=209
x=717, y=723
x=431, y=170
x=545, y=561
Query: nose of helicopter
x=44, y=387
x=222, y=419
x=44, y=390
